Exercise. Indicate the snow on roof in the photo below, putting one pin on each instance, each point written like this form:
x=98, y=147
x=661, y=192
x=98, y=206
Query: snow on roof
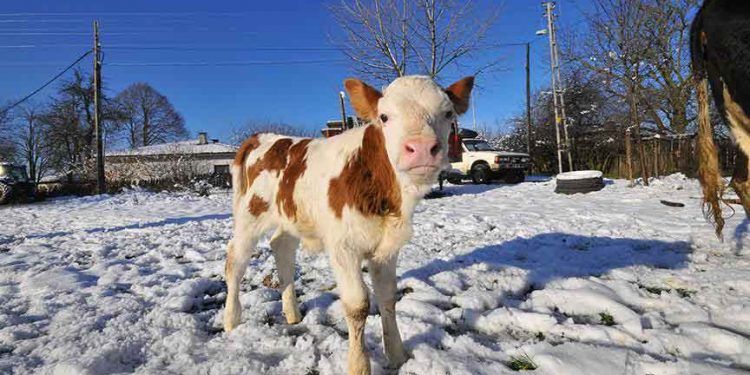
x=177, y=148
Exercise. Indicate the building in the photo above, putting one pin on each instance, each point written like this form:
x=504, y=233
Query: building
x=197, y=157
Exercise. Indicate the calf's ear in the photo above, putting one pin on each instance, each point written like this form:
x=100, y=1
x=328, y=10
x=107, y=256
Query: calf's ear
x=459, y=93
x=364, y=98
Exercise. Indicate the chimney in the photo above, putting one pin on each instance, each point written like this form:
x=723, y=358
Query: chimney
x=202, y=138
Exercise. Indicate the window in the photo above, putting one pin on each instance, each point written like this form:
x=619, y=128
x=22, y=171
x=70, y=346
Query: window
x=477, y=145
x=221, y=169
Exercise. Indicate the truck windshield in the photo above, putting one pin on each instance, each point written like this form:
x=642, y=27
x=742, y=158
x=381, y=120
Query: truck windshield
x=16, y=173
x=477, y=145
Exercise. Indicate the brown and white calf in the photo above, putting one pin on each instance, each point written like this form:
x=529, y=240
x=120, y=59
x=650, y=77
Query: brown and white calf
x=352, y=196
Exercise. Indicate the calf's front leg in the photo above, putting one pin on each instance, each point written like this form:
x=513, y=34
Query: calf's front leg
x=347, y=268
x=383, y=274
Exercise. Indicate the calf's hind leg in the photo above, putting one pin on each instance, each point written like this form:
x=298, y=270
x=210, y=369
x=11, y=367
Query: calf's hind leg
x=239, y=250
x=284, y=248
x=740, y=182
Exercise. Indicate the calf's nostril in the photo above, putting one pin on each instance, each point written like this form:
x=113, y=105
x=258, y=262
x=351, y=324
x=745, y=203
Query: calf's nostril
x=435, y=149
x=409, y=149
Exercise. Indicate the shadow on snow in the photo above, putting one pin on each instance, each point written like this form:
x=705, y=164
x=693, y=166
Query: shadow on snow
x=551, y=256
x=160, y=223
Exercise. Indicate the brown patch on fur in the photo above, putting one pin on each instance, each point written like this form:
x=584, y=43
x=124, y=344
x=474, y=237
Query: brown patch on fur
x=459, y=94
x=294, y=169
x=257, y=205
x=247, y=147
x=364, y=98
x=358, y=314
x=273, y=160
x=367, y=182
x=708, y=166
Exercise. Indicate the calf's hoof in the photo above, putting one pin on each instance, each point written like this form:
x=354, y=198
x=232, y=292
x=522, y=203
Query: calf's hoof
x=293, y=317
x=231, y=321
x=396, y=360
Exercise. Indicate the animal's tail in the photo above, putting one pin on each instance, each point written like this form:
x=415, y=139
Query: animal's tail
x=708, y=155
x=708, y=160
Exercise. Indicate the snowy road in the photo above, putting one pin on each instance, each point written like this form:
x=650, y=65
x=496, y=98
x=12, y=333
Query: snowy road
x=496, y=277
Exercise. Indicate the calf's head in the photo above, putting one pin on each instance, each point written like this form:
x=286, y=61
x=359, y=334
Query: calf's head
x=415, y=115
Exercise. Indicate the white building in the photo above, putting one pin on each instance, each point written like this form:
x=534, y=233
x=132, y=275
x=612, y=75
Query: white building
x=192, y=157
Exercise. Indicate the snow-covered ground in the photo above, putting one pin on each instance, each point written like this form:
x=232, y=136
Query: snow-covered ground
x=611, y=282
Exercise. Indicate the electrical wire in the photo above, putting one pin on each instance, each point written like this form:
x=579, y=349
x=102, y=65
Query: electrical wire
x=225, y=63
x=27, y=97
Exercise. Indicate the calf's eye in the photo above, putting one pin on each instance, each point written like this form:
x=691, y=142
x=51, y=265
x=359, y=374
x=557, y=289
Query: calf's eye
x=384, y=118
x=449, y=114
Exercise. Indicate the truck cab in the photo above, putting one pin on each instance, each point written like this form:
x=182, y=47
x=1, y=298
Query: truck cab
x=15, y=183
x=482, y=163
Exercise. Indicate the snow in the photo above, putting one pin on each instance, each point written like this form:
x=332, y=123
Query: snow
x=607, y=282
x=177, y=148
x=577, y=175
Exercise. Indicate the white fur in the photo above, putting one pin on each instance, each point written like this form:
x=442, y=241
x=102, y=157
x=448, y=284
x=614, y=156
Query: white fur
x=416, y=107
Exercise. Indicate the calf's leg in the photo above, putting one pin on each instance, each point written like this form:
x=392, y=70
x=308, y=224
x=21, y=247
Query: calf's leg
x=740, y=182
x=284, y=248
x=347, y=268
x=383, y=274
x=239, y=250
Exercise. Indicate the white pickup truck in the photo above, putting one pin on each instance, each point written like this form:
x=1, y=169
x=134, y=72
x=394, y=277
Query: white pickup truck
x=482, y=164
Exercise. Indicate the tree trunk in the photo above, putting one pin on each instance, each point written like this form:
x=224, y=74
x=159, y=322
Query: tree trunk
x=637, y=126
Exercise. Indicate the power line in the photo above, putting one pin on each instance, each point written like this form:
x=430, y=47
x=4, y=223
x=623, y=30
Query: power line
x=27, y=97
x=123, y=14
x=227, y=63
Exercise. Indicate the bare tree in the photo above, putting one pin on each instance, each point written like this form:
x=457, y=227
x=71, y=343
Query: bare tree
x=7, y=147
x=241, y=133
x=148, y=116
x=615, y=47
x=667, y=95
x=387, y=39
x=30, y=141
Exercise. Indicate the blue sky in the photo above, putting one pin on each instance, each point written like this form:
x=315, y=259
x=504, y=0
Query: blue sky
x=217, y=98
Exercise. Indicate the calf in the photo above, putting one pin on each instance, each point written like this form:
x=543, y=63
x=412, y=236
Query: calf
x=720, y=49
x=352, y=195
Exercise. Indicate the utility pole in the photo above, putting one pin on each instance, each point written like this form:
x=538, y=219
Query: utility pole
x=528, y=98
x=101, y=187
x=558, y=91
x=344, y=125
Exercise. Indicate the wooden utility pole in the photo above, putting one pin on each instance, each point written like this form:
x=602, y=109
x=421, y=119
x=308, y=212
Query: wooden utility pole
x=528, y=98
x=558, y=91
x=101, y=187
x=344, y=125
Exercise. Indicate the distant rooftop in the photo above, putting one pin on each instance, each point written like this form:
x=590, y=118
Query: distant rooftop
x=202, y=145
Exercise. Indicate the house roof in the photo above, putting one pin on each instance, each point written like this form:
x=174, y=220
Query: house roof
x=178, y=148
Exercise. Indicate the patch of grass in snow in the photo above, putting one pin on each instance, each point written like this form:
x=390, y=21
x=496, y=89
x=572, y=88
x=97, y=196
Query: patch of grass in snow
x=312, y=371
x=682, y=292
x=606, y=318
x=655, y=289
x=685, y=293
x=522, y=363
x=540, y=336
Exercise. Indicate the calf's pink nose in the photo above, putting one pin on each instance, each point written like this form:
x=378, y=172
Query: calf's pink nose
x=421, y=152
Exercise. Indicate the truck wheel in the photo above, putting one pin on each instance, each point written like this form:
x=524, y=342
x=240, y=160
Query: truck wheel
x=480, y=174
x=5, y=193
x=455, y=180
